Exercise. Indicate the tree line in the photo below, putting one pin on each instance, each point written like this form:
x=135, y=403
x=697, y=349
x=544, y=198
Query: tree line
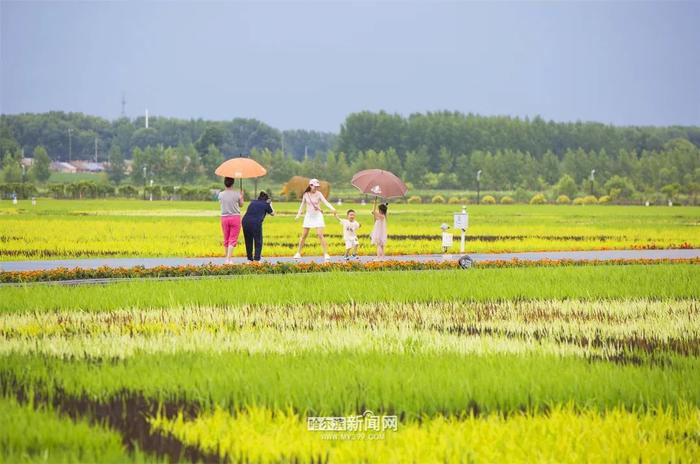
x=65, y=135
x=452, y=131
x=465, y=133
x=625, y=175
x=433, y=151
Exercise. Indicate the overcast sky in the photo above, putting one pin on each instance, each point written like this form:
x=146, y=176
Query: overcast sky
x=307, y=65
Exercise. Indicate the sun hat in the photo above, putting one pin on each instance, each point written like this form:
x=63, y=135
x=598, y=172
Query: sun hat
x=315, y=182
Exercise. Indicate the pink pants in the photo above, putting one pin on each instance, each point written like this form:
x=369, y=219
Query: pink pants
x=231, y=227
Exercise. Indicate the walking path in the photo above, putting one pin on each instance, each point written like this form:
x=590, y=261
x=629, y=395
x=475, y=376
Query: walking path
x=603, y=255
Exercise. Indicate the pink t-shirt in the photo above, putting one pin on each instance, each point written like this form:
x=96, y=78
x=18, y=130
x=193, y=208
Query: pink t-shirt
x=313, y=201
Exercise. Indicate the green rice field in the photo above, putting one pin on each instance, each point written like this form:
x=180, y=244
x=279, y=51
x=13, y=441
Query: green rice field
x=543, y=364
x=56, y=229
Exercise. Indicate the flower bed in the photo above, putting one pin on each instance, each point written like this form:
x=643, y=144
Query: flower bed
x=64, y=274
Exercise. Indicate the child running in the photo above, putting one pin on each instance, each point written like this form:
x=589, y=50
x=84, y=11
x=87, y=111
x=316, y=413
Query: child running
x=350, y=226
x=379, y=235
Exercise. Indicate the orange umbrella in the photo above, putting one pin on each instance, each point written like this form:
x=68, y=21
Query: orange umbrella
x=240, y=168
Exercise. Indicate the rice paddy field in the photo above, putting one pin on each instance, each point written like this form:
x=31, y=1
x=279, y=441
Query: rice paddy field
x=544, y=363
x=133, y=228
x=539, y=364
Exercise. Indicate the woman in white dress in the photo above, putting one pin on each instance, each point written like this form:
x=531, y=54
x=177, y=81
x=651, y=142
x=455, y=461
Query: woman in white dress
x=313, y=219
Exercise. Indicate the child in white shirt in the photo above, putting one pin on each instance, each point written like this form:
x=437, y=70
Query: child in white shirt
x=350, y=226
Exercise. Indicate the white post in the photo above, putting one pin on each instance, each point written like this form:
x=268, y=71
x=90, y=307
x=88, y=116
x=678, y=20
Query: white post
x=461, y=243
x=461, y=223
x=146, y=118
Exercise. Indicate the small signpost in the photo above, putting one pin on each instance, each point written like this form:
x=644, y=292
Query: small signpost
x=461, y=223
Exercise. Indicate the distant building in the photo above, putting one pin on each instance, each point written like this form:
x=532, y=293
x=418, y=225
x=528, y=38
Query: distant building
x=59, y=166
x=27, y=162
x=88, y=166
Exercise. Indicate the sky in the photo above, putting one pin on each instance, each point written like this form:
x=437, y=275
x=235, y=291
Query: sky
x=308, y=65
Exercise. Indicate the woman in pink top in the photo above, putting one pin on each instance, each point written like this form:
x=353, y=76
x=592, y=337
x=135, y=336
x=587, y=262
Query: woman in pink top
x=313, y=219
x=379, y=234
x=231, y=202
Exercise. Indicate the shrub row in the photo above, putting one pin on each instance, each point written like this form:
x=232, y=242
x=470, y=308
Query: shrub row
x=537, y=199
x=90, y=189
x=63, y=274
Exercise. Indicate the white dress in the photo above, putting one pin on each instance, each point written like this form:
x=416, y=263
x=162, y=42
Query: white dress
x=313, y=219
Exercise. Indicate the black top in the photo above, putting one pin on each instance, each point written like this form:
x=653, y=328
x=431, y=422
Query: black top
x=257, y=209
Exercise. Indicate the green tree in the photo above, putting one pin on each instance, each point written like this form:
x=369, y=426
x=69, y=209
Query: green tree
x=8, y=143
x=566, y=186
x=336, y=167
x=212, y=135
x=296, y=142
x=550, y=167
x=142, y=138
x=619, y=187
x=193, y=164
x=212, y=159
x=140, y=164
x=174, y=164
x=416, y=166
x=116, y=171
x=671, y=190
x=393, y=161
x=11, y=169
x=282, y=167
x=445, y=161
x=463, y=170
x=41, y=165
x=692, y=185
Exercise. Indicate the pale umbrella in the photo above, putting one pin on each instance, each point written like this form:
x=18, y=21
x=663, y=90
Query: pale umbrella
x=379, y=183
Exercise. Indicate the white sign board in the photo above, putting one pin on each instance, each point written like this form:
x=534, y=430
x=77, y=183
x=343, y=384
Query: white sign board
x=446, y=240
x=461, y=221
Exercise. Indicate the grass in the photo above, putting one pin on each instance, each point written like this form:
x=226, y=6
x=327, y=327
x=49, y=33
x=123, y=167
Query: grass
x=94, y=228
x=41, y=435
x=544, y=363
x=338, y=383
x=589, y=283
x=617, y=330
x=563, y=435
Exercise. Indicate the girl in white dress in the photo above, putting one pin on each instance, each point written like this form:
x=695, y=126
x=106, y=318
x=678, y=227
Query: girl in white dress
x=313, y=219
